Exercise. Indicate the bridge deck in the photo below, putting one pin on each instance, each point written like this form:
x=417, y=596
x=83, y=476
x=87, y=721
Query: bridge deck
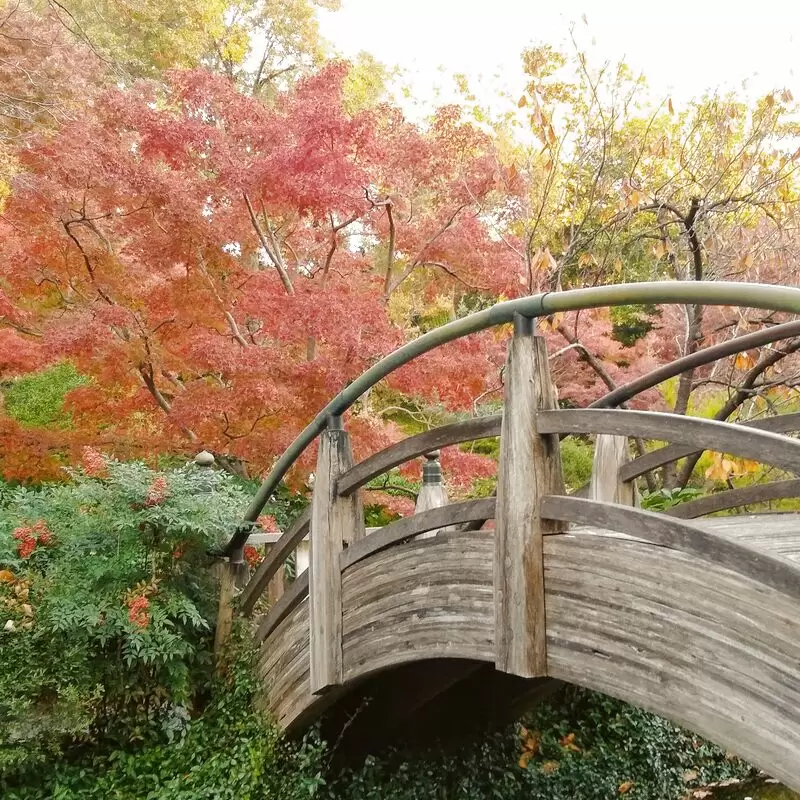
x=707, y=646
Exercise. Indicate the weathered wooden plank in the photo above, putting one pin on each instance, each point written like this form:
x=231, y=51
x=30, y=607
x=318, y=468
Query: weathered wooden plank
x=274, y=561
x=415, y=446
x=285, y=604
x=785, y=423
x=529, y=469
x=403, y=529
x=335, y=522
x=711, y=649
x=771, y=570
x=610, y=455
x=759, y=445
x=734, y=498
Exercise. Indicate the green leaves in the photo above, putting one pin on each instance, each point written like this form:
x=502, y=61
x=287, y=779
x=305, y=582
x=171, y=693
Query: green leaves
x=122, y=598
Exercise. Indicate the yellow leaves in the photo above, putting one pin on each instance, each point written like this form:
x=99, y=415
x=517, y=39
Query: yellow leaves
x=660, y=249
x=522, y=102
x=530, y=746
x=549, y=767
x=723, y=468
x=568, y=743
x=625, y=787
x=670, y=107
x=587, y=260
x=786, y=96
x=543, y=261
x=632, y=195
x=6, y=576
x=550, y=323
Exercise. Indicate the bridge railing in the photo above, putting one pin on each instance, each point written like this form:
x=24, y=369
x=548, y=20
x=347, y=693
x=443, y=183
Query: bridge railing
x=530, y=501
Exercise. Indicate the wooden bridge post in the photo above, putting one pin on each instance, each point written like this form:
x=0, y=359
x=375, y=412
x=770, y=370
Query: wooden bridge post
x=335, y=522
x=432, y=494
x=610, y=455
x=529, y=469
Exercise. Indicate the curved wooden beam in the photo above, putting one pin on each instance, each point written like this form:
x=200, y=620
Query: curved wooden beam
x=784, y=423
x=467, y=431
x=287, y=603
x=746, y=441
x=268, y=568
x=408, y=527
x=733, y=498
x=699, y=358
x=690, y=538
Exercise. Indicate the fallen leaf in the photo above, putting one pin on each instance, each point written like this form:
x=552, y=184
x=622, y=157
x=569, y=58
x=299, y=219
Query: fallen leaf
x=625, y=787
x=690, y=775
x=6, y=576
x=549, y=767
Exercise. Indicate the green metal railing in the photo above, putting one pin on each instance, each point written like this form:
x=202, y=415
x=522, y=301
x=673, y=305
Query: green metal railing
x=747, y=295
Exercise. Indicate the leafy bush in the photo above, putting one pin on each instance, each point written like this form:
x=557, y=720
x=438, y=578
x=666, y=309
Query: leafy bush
x=583, y=746
x=38, y=399
x=106, y=606
x=230, y=752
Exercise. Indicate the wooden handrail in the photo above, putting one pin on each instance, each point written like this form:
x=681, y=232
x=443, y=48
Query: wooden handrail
x=784, y=423
x=676, y=534
x=733, y=498
x=287, y=603
x=269, y=567
x=408, y=527
x=415, y=446
x=748, y=442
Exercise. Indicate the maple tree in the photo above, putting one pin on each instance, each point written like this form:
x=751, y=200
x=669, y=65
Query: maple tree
x=219, y=255
x=219, y=268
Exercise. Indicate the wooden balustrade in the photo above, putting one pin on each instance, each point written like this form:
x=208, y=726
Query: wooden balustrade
x=529, y=505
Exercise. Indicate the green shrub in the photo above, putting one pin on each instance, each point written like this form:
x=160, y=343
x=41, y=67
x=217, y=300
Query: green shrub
x=106, y=606
x=38, y=399
x=230, y=752
x=576, y=461
x=582, y=746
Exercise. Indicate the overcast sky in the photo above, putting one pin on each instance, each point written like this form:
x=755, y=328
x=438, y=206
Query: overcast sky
x=683, y=47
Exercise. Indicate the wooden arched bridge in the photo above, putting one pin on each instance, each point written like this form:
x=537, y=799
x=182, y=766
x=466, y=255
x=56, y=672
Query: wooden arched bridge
x=434, y=618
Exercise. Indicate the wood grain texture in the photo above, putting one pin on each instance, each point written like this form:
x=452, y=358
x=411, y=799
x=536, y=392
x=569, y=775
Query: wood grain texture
x=274, y=561
x=408, y=527
x=289, y=599
x=735, y=498
x=610, y=455
x=529, y=468
x=759, y=445
x=415, y=446
x=335, y=522
x=705, y=545
x=785, y=423
x=711, y=649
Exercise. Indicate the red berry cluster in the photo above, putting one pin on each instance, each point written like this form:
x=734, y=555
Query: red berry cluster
x=31, y=536
x=137, y=611
x=157, y=492
x=252, y=556
x=94, y=463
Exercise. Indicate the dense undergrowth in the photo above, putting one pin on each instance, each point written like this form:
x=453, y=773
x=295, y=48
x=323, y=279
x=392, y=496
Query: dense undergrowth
x=107, y=688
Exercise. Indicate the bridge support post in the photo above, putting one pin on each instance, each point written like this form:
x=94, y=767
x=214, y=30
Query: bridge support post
x=335, y=521
x=610, y=455
x=529, y=469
